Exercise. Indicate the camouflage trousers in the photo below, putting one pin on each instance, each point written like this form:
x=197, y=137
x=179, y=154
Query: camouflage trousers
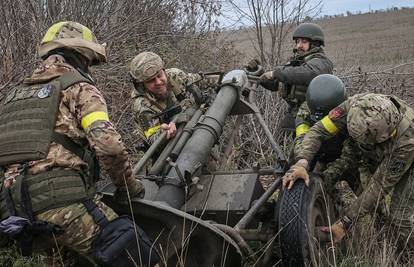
x=401, y=218
x=396, y=210
x=342, y=186
x=79, y=232
x=352, y=185
x=345, y=194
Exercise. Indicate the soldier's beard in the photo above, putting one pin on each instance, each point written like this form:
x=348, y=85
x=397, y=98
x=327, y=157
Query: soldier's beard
x=301, y=51
x=160, y=92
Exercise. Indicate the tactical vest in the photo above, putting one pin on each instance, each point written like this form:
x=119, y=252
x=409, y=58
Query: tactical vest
x=331, y=149
x=27, y=120
x=295, y=94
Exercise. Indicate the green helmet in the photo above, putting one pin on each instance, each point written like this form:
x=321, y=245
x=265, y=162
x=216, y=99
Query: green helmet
x=310, y=31
x=74, y=36
x=325, y=92
x=145, y=66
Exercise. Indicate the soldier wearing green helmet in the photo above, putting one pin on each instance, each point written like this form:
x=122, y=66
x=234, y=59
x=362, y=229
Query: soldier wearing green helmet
x=382, y=127
x=310, y=31
x=55, y=136
x=309, y=60
x=335, y=160
x=325, y=92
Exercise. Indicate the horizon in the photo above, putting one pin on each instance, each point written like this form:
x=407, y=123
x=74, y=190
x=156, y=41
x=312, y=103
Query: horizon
x=327, y=8
x=337, y=7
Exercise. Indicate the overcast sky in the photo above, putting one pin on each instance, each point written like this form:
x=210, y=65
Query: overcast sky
x=329, y=7
x=332, y=7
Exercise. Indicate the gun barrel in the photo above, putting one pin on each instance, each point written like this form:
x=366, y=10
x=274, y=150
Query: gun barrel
x=186, y=135
x=176, y=141
x=150, y=152
x=159, y=164
x=207, y=131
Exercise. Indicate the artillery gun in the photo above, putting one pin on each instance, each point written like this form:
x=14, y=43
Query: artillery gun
x=225, y=218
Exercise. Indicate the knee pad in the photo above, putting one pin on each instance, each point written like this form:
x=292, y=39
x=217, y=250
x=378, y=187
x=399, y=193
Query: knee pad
x=122, y=243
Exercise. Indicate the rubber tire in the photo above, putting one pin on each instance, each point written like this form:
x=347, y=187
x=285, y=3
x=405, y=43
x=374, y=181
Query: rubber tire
x=301, y=209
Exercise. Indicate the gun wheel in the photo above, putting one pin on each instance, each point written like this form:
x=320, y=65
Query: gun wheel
x=301, y=210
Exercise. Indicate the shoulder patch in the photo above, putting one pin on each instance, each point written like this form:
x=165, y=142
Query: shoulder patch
x=336, y=113
x=45, y=91
x=397, y=166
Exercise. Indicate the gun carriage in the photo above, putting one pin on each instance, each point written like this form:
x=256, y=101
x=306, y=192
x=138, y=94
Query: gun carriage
x=224, y=218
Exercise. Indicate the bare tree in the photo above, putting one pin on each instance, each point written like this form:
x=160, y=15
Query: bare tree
x=272, y=20
x=126, y=26
x=182, y=32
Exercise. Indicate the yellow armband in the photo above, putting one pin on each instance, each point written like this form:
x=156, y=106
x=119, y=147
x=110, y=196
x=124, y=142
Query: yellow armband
x=329, y=125
x=301, y=129
x=151, y=131
x=92, y=117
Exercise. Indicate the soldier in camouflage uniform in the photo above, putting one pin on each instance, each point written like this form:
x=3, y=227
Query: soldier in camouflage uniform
x=333, y=160
x=325, y=92
x=382, y=127
x=157, y=89
x=309, y=60
x=59, y=181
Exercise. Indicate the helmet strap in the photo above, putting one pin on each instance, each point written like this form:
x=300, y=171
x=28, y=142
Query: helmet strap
x=80, y=63
x=139, y=86
x=73, y=58
x=314, y=44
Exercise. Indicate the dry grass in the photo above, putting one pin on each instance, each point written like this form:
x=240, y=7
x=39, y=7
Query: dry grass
x=372, y=52
x=370, y=41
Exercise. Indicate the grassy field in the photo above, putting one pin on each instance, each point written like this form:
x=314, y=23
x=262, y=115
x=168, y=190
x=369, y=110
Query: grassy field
x=369, y=40
x=372, y=40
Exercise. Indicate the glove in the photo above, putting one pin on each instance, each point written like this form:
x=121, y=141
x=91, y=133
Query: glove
x=252, y=65
x=135, y=190
x=267, y=76
x=345, y=195
x=295, y=172
x=337, y=229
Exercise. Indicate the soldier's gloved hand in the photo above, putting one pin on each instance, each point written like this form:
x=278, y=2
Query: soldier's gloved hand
x=344, y=194
x=252, y=65
x=267, y=76
x=298, y=170
x=135, y=189
x=337, y=229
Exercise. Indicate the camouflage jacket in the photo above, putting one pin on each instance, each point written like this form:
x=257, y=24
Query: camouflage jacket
x=392, y=158
x=77, y=102
x=298, y=73
x=146, y=106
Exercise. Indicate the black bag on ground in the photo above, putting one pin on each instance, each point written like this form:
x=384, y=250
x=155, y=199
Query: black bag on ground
x=122, y=243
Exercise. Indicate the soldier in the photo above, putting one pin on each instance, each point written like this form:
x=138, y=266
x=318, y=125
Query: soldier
x=308, y=61
x=54, y=127
x=325, y=92
x=336, y=159
x=383, y=126
x=156, y=90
